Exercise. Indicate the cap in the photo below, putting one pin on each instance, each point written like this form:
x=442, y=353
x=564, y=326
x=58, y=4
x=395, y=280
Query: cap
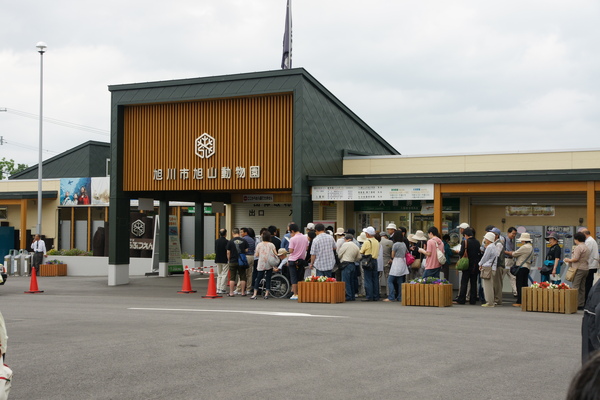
x=310, y=226
x=496, y=231
x=370, y=230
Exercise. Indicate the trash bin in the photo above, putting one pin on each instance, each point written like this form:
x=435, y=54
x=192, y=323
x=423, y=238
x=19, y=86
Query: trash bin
x=25, y=262
x=12, y=266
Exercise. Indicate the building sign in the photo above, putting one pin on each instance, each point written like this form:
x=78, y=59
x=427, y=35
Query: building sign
x=375, y=192
x=530, y=211
x=257, y=198
x=209, y=145
x=85, y=191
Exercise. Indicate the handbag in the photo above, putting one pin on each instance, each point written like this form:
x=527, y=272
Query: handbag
x=273, y=261
x=463, y=263
x=486, y=273
x=366, y=261
x=547, y=267
x=515, y=268
x=242, y=261
x=409, y=258
x=416, y=264
x=441, y=257
x=571, y=273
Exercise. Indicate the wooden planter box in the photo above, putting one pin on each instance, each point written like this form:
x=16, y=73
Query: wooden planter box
x=426, y=295
x=321, y=292
x=549, y=300
x=53, y=270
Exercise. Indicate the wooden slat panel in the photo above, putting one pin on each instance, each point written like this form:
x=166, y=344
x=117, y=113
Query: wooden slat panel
x=247, y=132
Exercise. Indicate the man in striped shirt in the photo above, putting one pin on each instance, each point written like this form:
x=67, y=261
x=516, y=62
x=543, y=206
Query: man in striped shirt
x=321, y=252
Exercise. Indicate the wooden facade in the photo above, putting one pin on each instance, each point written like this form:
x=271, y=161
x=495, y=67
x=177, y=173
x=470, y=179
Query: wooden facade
x=229, y=144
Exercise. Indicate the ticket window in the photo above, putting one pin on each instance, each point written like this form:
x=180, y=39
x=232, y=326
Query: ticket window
x=400, y=219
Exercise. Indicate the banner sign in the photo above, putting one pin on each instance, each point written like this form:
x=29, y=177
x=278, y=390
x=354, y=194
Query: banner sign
x=375, y=192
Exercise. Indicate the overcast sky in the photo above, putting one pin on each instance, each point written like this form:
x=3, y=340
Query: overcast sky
x=430, y=76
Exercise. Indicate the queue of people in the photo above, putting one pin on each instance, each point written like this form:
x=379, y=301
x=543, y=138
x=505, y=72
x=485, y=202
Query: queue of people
x=373, y=265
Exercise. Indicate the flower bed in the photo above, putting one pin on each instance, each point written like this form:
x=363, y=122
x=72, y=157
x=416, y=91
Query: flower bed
x=321, y=290
x=429, y=292
x=548, y=297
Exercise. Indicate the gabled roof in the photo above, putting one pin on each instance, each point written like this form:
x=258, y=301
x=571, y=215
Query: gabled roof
x=86, y=160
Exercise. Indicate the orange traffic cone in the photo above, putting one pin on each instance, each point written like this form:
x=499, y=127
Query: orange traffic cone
x=211, y=293
x=33, y=286
x=187, y=284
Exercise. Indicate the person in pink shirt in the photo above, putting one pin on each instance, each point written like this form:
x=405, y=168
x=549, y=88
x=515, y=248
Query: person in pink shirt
x=296, y=260
x=432, y=265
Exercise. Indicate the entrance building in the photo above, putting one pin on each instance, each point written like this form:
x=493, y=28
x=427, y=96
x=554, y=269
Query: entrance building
x=249, y=141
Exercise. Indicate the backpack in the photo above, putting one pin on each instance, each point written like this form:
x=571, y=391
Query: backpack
x=501, y=256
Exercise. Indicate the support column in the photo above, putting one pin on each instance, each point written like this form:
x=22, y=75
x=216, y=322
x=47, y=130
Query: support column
x=163, y=238
x=23, y=229
x=302, y=209
x=340, y=214
x=437, y=206
x=118, y=248
x=199, y=233
x=591, y=208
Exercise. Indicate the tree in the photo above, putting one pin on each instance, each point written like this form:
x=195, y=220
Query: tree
x=8, y=167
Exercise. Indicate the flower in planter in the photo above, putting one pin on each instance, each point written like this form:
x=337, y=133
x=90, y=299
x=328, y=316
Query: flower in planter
x=54, y=262
x=548, y=285
x=319, y=279
x=430, y=280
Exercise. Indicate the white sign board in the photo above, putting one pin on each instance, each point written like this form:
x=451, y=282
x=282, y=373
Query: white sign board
x=374, y=192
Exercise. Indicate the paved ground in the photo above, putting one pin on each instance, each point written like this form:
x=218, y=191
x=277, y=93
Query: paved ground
x=84, y=340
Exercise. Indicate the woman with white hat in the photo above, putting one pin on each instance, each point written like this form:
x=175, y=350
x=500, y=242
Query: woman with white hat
x=522, y=256
x=417, y=241
x=489, y=260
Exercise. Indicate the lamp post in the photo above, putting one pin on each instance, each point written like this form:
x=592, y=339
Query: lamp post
x=41, y=46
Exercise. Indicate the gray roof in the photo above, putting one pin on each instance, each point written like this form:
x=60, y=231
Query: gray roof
x=86, y=160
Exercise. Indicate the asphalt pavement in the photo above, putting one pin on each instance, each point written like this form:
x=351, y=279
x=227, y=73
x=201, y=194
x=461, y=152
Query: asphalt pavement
x=82, y=339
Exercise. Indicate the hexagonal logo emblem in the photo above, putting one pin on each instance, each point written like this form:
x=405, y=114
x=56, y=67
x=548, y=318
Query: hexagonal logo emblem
x=138, y=228
x=205, y=146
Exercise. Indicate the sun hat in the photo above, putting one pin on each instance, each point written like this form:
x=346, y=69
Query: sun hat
x=464, y=225
x=419, y=235
x=370, y=230
x=362, y=237
x=340, y=232
x=411, y=238
x=490, y=236
x=391, y=226
x=524, y=237
x=552, y=235
x=282, y=252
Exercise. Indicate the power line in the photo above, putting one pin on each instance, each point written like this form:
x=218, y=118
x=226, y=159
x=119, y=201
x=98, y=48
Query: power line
x=55, y=121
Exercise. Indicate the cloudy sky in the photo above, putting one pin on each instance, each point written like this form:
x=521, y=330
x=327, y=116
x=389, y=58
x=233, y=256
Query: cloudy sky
x=430, y=76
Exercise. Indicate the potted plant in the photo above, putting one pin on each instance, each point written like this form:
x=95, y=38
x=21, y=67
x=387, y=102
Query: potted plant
x=430, y=292
x=549, y=297
x=321, y=289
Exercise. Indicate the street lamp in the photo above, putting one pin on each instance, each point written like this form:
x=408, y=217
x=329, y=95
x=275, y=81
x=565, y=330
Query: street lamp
x=41, y=46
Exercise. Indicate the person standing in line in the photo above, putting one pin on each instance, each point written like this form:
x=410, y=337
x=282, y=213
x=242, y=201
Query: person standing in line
x=469, y=277
x=489, y=260
x=248, y=235
x=523, y=257
x=39, y=252
x=274, y=239
x=391, y=229
x=263, y=251
x=553, y=257
x=510, y=246
x=385, y=257
x=321, y=251
x=349, y=254
x=432, y=264
x=221, y=261
x=296, y=260
x=399, y=269
x=448, y=253
x=235, y=247
x=497, y=272
x=339, y=238
x=579, y=260
x=285, y=241
x=592, y=246
x=371, y=275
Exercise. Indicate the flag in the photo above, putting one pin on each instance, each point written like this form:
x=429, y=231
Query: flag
x=286, y=60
